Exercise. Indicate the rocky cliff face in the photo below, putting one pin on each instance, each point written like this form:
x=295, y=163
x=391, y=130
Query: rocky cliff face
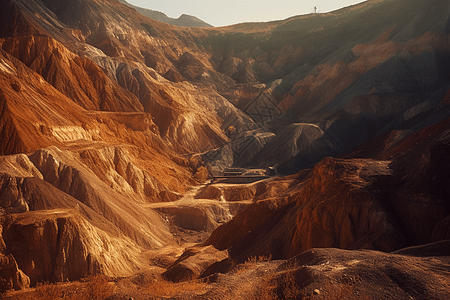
x=338, y=72
x=60, y=246
x=57, y=225
x=352, y=203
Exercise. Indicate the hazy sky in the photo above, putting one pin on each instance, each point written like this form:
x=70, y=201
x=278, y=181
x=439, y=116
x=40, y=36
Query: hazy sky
x=227, y=12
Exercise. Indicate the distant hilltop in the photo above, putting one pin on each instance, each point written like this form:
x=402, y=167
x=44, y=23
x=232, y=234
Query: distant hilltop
x=183, y=20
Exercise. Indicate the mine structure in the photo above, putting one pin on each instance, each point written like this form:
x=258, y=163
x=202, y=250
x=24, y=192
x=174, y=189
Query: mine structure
x=239, y=175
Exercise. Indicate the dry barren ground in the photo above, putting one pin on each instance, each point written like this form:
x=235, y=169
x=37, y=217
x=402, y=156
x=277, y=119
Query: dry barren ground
x=413, y=273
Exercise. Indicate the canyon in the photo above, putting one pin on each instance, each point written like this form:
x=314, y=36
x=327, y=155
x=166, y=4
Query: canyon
x=295, y=159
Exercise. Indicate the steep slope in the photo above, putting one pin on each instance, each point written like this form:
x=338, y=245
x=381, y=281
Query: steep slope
x=106, y=114
x=353, y=203
x=57, y=225
x=347, y=73
x=117, y=74
x=35, y=115
x=316, y=69
x=75, y=208
x=29, y=109
x=77, y=78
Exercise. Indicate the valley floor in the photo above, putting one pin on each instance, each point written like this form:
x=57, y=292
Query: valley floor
x=413, y=273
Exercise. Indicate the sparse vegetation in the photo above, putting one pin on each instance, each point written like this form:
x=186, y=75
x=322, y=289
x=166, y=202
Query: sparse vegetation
x=257, y=259
x=283, y=287
x=163, y=288
x=289, y=286
x=251, y=262
x=98, y=288
x=267, y=290
x=47, y=291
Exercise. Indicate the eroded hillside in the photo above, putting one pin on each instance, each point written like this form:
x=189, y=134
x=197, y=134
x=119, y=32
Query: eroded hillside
x=112, y=125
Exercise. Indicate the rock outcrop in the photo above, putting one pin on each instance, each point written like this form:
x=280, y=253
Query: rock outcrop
x=59, y=245
x=353, y=203
x=337, y=205
x=350, y=89
x=193, y=262
x=59, y=221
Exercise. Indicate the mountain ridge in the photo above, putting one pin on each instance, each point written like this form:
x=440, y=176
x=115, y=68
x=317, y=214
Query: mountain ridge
x=183, y=20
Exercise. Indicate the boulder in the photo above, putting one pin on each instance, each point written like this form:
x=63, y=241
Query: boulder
x=193, y=262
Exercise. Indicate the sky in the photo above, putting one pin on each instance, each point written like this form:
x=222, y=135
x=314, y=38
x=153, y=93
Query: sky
x=228, y=12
